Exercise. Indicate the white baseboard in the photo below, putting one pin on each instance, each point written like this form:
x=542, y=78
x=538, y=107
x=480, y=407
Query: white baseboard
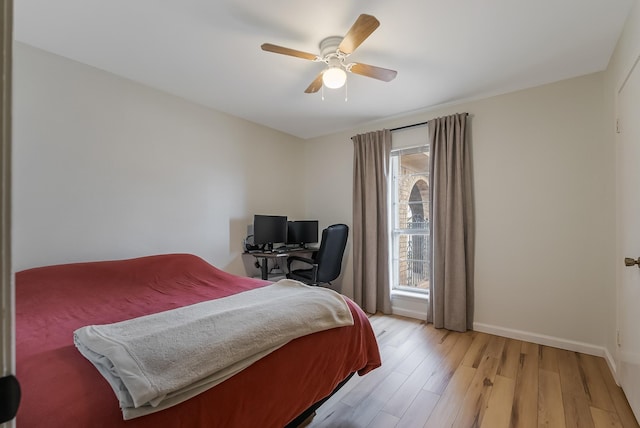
x=409, y=305
x=541, y=339
x=556, y=342
x=404, y=312
x=611, y=362
x=398, y=308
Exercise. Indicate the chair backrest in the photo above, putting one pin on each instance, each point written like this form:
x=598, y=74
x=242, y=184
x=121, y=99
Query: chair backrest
x=329, y=256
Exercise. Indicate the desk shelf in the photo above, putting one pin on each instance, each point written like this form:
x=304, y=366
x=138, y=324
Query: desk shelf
x=264, y=257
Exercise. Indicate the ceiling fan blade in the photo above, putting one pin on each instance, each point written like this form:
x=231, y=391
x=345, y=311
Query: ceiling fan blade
x=359, y=31
x=315, y=85
x=286, y=51
x=372, y=71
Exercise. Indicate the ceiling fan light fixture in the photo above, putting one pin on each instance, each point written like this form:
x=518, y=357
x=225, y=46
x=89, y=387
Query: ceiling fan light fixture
x=334, y=77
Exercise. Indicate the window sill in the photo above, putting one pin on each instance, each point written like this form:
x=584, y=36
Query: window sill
x=409, y=294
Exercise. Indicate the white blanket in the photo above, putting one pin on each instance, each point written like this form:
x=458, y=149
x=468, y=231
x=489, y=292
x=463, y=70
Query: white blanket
x=159, y=360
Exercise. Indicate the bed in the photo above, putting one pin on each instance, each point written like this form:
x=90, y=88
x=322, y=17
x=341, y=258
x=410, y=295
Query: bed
x=60, y=388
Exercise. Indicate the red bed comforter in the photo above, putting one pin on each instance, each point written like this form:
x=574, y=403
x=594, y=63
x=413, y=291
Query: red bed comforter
x=60, y=388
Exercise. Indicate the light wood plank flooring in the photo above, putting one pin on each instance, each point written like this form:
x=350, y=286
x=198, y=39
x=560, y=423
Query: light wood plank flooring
x=437, y=378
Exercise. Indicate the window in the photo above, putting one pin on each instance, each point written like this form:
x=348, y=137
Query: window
x=410, y=219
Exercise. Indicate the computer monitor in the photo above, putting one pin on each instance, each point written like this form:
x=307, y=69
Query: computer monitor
x=269, y=229
x=302, y=232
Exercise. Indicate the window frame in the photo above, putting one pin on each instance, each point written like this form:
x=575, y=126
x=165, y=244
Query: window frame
x=395, y=231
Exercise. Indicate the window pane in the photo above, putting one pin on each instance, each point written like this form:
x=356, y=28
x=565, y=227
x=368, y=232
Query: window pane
x=411, y=261
x=412, y=190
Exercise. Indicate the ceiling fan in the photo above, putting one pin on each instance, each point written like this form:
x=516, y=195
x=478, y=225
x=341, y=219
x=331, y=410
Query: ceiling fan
x=334, y=51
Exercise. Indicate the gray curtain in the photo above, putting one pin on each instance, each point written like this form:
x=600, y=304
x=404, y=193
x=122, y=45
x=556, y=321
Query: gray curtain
x=370, y=230
x=452, y=224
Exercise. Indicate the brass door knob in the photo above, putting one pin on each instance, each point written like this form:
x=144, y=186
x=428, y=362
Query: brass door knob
x=628, y=261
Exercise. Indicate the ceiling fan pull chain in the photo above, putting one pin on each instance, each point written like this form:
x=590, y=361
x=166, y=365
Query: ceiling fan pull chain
x=346, y=91
x=322, y=92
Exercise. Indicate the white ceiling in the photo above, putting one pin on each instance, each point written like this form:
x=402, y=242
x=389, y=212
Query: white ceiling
x=443, y=50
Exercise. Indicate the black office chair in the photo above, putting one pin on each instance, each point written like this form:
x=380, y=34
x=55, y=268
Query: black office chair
x=326, y=263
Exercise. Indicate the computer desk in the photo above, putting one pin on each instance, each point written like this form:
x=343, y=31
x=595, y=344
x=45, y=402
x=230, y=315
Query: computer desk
x=266, y=255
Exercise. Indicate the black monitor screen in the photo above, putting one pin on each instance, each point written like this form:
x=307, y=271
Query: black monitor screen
x=302, y=232
x=269, y=229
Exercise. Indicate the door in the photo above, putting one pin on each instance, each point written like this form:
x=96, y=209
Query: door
x=628, y=205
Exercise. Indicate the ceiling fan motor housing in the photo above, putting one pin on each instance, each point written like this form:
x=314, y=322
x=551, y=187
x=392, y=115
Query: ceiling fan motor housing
x=329, y=45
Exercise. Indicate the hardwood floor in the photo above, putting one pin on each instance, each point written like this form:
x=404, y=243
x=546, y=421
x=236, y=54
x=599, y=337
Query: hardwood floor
x=437, y=378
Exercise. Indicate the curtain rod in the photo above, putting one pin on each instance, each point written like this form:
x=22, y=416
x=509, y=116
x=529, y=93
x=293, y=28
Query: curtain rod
x=408, y=126
x=412, y=126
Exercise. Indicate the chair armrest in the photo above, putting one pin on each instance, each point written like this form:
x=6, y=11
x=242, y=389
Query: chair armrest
x=299, y=259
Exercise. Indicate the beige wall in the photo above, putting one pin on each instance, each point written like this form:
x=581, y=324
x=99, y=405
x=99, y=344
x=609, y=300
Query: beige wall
x=543, y=173
x=107, y=168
